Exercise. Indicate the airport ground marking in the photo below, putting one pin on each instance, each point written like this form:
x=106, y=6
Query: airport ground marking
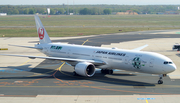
x=40, y=74
x=145, y=98
x=63, y=72
x=146, y=101
x=28, y=60
x=45, y=72
x=85, y=42
x=46, y=76
x=57, y=71
x=61, y=66
x=3, y=48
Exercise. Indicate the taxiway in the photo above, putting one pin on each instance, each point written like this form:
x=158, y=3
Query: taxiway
x=24, y=77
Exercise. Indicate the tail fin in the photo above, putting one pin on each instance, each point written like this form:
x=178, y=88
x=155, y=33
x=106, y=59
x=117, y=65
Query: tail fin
x=43, y=36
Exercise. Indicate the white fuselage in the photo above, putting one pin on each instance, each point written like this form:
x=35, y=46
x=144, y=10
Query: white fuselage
x=137, y=61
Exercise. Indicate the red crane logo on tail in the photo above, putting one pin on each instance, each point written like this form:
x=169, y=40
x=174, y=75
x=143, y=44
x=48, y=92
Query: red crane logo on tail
x=41, y=33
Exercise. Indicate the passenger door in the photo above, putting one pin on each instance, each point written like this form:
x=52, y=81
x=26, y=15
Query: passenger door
x=151, y=62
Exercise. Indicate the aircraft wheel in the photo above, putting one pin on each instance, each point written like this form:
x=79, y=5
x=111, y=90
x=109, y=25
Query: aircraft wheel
x=103, y=71
x=106, y=71
x=160, y=82
x=110, y=71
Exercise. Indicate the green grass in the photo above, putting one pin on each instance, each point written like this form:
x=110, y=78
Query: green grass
x=64, y=32
x=126, y=23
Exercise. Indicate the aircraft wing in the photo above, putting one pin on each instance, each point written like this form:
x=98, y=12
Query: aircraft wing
x=140, y=48
x=95, y=62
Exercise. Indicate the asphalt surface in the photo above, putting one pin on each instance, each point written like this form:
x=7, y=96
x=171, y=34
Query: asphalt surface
x=117, y=37
x=56, y=78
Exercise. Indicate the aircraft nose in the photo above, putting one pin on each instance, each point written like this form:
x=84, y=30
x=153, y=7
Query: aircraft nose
x=172, y=68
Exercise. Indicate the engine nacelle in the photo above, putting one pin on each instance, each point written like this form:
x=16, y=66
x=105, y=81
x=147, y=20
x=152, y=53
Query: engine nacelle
x=85, y=69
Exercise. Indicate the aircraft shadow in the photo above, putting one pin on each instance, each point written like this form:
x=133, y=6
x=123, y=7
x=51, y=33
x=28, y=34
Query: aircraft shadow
x=48, y=74
x=104, y=79
x=178, y=54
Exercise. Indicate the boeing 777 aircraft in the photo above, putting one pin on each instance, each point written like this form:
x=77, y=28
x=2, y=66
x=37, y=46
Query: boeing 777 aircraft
x=86, y=58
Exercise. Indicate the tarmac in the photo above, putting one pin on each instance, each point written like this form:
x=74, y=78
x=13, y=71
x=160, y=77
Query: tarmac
x=37, y=80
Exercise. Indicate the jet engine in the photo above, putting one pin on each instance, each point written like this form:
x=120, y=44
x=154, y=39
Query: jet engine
x=85, y=69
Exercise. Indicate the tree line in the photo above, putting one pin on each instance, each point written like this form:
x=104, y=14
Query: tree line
x=85, y=9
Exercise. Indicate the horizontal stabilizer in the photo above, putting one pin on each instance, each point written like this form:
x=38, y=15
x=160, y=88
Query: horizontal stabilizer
x=26, y=46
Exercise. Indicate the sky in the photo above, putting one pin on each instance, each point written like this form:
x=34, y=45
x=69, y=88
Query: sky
x=89, y=2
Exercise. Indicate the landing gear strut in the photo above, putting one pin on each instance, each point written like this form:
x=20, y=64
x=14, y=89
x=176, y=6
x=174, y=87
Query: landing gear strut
x=106, y=71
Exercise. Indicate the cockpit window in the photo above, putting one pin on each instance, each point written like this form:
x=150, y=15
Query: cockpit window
x=170, y=62
x=166, y=62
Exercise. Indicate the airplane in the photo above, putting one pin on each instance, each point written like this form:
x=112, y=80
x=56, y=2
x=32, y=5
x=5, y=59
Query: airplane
x=85, y=59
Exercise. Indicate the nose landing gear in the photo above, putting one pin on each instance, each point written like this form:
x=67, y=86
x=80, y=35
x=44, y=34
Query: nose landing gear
x=160, y=81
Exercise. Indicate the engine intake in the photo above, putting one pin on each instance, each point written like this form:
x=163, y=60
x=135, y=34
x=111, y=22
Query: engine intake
x=85, y=69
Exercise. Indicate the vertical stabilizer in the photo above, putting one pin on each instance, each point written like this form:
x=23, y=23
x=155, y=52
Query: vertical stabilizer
x=43, y=36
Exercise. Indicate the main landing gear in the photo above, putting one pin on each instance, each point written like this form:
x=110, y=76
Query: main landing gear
x=74, y=73
x=160, y=81
x=106, y=71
